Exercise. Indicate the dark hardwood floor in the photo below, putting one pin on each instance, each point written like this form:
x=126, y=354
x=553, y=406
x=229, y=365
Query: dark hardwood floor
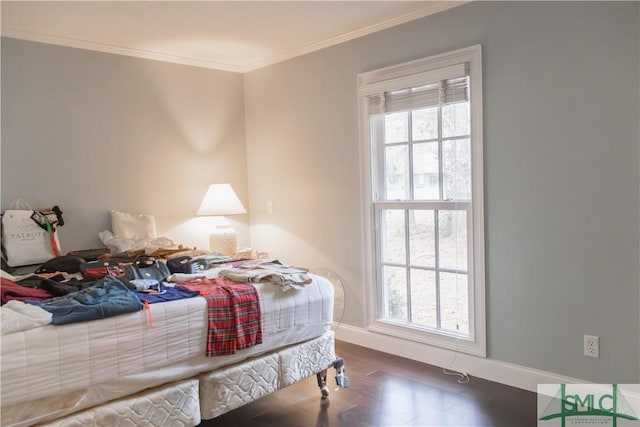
x=387, y=390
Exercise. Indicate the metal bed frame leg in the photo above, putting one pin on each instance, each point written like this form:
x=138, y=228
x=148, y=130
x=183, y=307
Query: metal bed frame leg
x=341, y=378
x=322, y=383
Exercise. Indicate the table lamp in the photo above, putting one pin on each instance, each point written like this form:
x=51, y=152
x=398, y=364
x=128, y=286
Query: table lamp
x=221, y=200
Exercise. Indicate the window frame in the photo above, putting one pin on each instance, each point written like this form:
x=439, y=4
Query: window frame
x=398, y=77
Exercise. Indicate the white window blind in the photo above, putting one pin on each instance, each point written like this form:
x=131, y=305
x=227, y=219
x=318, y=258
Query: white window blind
x=439, y=92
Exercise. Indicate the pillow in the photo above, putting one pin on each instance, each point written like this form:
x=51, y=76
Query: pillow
x=133, y=226
x=119, y=244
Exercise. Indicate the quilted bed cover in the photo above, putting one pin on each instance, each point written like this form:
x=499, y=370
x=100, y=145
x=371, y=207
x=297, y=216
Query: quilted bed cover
x=61, y=369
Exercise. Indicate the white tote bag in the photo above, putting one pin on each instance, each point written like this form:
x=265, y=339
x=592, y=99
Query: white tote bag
x=23, y=241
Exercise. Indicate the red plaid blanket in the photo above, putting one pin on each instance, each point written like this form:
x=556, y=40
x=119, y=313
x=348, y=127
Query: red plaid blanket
x=235, y=320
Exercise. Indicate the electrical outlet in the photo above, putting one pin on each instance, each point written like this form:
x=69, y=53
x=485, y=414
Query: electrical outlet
x=591, y=346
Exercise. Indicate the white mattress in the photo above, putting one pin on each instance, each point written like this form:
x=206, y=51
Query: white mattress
x=100, y=360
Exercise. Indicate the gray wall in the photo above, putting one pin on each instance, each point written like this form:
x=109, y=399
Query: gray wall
x=561, y=110
x=92, y=132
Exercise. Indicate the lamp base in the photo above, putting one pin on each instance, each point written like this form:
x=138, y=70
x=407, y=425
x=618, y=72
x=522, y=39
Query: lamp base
x=223, y=240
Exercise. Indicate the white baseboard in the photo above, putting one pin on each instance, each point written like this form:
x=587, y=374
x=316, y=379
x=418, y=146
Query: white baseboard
x=489, y=369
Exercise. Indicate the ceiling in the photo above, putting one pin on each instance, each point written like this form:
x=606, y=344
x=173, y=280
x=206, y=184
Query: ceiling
x=236, y=36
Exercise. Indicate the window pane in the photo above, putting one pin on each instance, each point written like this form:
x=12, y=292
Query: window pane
x=422, y=238
x=396, y=127
x=456, y=172
x=395, y=282
x=425, y=171
x=455, y=120
x=397, y=172
x=423, y=298
x=454, y=302
x=424, y=123
x=394, y=249
x=452, y=228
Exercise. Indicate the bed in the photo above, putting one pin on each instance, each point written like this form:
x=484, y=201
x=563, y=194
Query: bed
x=119, y=371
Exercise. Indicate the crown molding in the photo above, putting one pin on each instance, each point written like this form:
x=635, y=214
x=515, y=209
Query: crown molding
x=431, y=9
x=119, y=50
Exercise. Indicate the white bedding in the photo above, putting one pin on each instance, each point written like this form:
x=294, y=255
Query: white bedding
x=17, y=316
x=104, y=359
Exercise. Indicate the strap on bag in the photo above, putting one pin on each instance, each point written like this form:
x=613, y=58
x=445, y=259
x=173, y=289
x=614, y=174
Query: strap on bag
x=47, y=220
x=52, y=239
x=20, y=205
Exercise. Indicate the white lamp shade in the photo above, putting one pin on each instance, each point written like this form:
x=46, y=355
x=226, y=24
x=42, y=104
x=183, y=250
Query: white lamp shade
x=221, y=200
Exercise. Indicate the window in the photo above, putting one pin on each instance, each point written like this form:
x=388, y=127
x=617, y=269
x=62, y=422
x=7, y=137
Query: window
x=422, y=163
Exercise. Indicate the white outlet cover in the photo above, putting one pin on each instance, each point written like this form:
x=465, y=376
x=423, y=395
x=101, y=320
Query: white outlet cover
x=592, y=346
